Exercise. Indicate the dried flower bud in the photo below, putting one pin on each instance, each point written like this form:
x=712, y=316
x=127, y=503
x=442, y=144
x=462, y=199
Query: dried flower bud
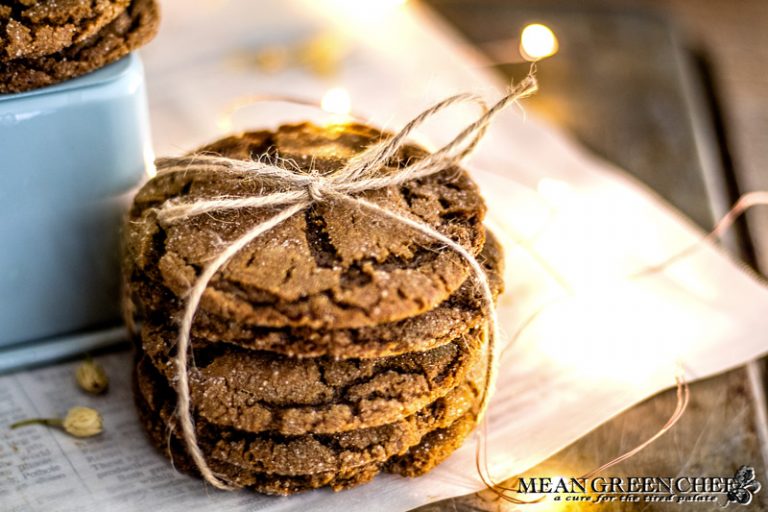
x=79, y=422
x=91, y=377
x=82, y=422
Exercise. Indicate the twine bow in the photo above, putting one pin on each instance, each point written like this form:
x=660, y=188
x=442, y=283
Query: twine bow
x=297, y=192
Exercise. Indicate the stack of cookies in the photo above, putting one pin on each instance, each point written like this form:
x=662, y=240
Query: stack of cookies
x=333, y=347
x=43, y=42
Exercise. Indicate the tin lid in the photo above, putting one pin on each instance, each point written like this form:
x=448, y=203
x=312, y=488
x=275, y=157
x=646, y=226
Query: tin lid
x=108, y=73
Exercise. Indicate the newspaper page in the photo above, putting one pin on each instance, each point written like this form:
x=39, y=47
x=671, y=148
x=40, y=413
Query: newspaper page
x=45, y=469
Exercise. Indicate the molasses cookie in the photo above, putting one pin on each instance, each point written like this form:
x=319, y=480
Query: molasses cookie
x=309, y=454
x=453, y=317
x=132, y=27
x=433, y=449
x=34, y=28
x=173, y=448
x=335, y=265
x=262, y=391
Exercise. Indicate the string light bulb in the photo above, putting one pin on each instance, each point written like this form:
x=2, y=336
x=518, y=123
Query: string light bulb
x=537, y=42
x=337, y=102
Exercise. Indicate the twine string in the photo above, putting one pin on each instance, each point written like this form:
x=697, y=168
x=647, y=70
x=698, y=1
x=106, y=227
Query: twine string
x=192, y=303
x=298, y=192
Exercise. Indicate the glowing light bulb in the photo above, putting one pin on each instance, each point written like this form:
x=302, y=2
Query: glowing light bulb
x=337, y=101
x=537, y=41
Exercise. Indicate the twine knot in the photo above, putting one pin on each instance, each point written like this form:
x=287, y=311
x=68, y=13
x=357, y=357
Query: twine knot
x=316, y=188
x=295, y=192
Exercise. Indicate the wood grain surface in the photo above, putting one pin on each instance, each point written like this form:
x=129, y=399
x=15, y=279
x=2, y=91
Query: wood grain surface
x=672, y=91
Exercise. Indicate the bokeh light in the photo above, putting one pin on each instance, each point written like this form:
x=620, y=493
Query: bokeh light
x=537, y=41
x=337, y=101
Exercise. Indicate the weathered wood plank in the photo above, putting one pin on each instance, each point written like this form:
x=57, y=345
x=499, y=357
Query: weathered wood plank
x=616, y=86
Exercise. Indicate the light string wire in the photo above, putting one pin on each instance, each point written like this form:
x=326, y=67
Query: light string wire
x=744, y=203
x=299, y=192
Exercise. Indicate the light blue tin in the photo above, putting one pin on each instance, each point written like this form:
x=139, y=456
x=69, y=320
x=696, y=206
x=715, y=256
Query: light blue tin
x=70, y=157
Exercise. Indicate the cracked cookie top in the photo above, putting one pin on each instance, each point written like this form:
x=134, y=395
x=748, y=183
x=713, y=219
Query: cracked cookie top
x=269, y=452
x=280, y=465
x=262, y=391
x=457, y=315
x=132, y=27
x=332, y=266
x=34, y=28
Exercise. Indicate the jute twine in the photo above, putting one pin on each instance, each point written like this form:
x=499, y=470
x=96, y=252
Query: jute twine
x=297, y=192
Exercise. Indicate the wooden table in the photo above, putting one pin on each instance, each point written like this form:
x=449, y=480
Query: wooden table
x=693, y=125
